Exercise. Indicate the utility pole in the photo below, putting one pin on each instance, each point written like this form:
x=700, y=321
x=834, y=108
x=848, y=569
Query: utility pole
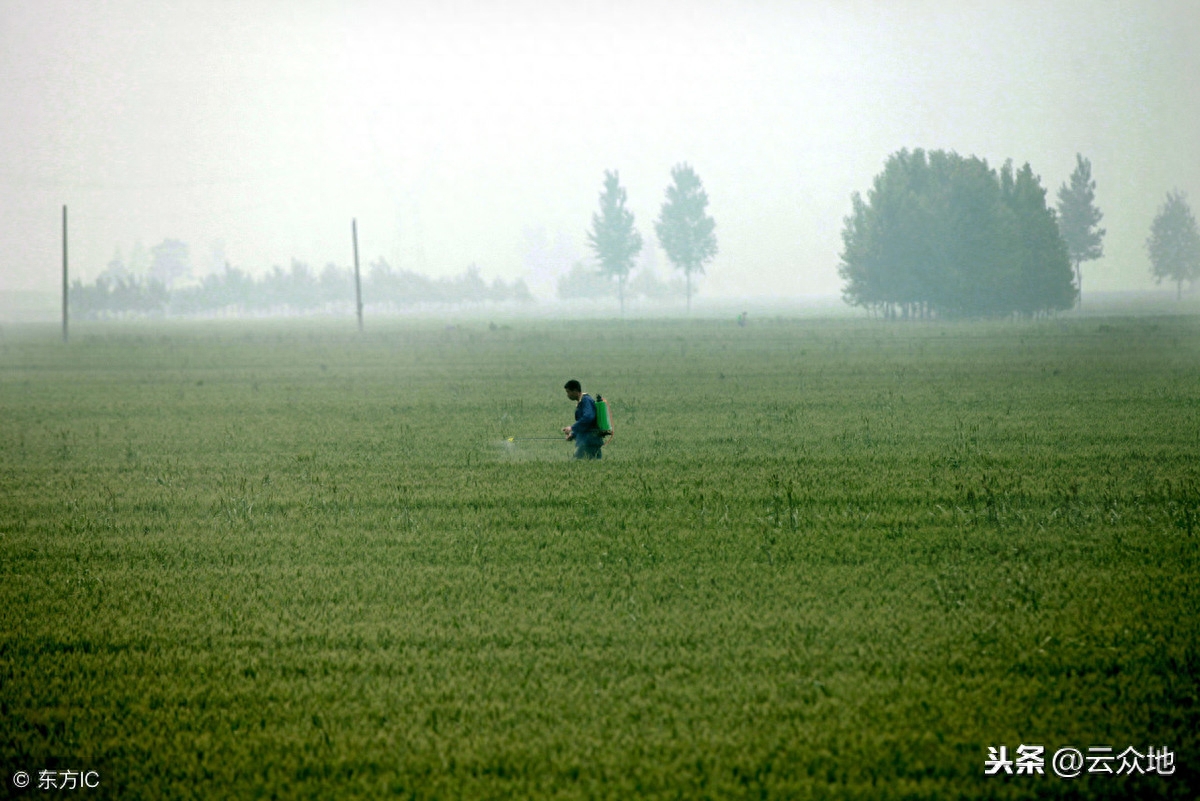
x=64, y=298
x=357, y=280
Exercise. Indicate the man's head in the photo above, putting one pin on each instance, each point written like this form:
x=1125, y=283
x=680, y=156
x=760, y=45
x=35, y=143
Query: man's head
x=574, y=389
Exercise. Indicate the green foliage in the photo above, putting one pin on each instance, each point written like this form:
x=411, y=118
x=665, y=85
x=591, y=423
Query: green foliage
x=584, y=283
x=1174, y=243
x=647, y=284
x=819, y=559
x=942, y=235
x=170, y=262
x=401, y=288
x=297, y=289
x=117, y=296
x=613, y=238
x=685, y=231
x=1078, y=218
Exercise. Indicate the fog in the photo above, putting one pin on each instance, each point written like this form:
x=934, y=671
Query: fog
x=475, y=133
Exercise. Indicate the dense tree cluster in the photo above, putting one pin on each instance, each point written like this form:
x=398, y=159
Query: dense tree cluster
x=948, y=236
x=298, y=289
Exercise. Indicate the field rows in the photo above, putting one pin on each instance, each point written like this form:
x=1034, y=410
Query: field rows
x=819, y=559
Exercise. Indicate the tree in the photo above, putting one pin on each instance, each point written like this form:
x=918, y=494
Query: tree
x=939, y=234
x=170, y=262
x=684, y=229
x=139, y=260
x=1078, y=219
x=646, y=283
x=1174, y=243
x=581, y=283
x=1039, y=276
x=613, y=238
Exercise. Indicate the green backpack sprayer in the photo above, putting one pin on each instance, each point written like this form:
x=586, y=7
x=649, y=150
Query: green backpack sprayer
x=602, y=421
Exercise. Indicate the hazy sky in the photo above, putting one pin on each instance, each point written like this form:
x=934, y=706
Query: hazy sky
x=467, y=132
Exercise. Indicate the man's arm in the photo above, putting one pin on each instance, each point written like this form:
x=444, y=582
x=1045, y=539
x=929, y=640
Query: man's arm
x=587, y=416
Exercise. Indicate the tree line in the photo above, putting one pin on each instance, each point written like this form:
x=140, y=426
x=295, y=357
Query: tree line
x=298, y=289
x=684, y=229
x=937, y=235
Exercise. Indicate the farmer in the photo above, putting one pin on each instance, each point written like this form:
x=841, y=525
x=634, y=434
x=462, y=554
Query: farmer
x=584, y=432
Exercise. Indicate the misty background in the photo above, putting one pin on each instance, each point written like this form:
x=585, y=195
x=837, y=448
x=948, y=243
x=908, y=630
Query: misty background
x=476, y=135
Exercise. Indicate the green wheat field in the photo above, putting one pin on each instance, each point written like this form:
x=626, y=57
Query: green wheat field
x=820, y=558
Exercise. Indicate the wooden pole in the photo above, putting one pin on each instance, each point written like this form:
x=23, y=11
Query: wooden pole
x=357, y=280
x=64, y=297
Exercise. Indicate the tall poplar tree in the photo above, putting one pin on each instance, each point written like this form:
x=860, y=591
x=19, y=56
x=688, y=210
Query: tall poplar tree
x=1078, y=219
x=1174, y=243
x=613, y=238
x=684, y=229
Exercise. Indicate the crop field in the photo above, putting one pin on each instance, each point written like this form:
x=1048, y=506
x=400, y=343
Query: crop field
x=819, y=559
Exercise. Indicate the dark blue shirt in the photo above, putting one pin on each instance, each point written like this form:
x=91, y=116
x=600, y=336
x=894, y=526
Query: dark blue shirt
x=585, y=429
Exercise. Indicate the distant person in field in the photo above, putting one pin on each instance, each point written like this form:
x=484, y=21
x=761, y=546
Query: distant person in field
x=585, y=432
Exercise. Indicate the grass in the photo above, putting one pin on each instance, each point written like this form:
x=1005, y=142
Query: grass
x=820, y=559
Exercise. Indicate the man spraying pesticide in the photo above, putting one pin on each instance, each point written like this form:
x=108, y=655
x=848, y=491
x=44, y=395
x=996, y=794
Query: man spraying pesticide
x=591, y=422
